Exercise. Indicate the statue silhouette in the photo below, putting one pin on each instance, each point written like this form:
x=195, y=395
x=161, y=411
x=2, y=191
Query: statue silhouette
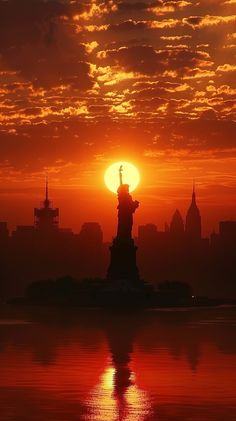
x=126, y=208
x=123, y=250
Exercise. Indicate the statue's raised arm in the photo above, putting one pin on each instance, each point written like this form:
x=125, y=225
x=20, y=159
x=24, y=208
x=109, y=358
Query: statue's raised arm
x=120, y=175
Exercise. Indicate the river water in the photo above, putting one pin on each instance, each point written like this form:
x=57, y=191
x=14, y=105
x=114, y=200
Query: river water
x=72, y=365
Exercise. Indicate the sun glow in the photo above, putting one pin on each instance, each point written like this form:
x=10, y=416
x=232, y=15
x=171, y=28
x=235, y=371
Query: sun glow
x=130, y=175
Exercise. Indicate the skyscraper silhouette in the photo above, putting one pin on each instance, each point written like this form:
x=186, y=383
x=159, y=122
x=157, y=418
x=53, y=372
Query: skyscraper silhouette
x=193, y=220
x=177, y=224
x=46, y=217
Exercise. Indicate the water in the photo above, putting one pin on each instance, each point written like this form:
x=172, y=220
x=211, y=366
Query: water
x=68, y=365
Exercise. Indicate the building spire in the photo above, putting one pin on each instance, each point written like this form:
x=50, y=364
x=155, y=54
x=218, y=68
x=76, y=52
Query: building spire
x=194, y=194
x=46, y=201
x=193, y=219
x=46, y=217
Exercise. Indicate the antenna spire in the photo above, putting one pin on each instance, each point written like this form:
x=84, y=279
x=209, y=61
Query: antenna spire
x=46, y=187
x=193, y=193
x=46, y=201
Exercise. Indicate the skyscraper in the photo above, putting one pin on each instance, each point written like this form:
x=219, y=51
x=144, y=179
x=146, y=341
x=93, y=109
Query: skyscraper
x=177, y=224
x=46, y=217
x=193, y=220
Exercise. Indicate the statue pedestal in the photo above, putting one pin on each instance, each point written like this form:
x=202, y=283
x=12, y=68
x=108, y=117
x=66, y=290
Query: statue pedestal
x=123, y=261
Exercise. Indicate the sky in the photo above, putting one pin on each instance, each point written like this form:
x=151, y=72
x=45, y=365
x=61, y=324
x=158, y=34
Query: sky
x=84, y=84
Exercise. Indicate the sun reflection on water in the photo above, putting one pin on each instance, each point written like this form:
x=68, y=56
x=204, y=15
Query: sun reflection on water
x=110, y=402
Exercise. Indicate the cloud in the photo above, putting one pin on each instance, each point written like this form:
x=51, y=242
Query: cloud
x=203, y=21
x=165, y=7
x=230, y=2
x=197, y=73
x=40, y=45
x=175, y=37
x=226, y=68
x=209, y=114
x=147, y=60
x=112, y=76
x=95, y=9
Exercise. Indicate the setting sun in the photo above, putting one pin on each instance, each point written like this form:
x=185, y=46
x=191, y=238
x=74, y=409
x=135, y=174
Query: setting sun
x=130, y=175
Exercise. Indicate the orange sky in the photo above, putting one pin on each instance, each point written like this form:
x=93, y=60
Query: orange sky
x=84, y=84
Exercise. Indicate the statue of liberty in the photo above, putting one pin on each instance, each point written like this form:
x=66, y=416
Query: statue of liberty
x=126, y=208
x=123, y=250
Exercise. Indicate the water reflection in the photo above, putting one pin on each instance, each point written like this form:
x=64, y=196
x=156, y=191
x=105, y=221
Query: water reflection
x=112, y=366
x=105, y=403
x=117, y=397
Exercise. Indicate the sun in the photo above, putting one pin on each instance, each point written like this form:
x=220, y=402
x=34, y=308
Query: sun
x=130, y=176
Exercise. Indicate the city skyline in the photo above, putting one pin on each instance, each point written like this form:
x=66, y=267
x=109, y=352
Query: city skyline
x=109, y=233
x=179, y=253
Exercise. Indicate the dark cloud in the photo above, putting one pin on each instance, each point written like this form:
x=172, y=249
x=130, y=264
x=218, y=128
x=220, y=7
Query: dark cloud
x=136, y=6
x=128, y=25
x=37, y=42
x=146, y=60
x=128, y=6
x=193, y=20
x=209, y=115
